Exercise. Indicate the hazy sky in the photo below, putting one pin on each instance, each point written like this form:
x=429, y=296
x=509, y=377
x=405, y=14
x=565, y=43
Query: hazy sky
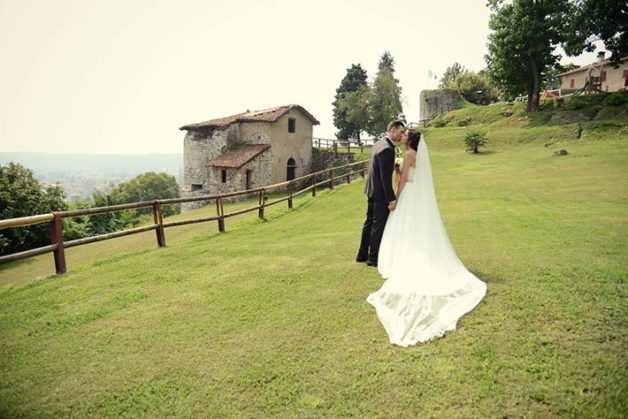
x=121, y=76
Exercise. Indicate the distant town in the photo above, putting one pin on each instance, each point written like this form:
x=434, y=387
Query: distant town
x=81, y=174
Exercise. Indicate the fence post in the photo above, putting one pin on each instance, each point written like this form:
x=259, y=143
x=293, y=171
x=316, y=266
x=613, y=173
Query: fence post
x=220, y=212
x=262, y=201
x=349, y=147
x=349, y=176
x=335, y=149
x=159, y=221
x=331, y=178
x=290, y=196
x=314, y=186
x=56, y=237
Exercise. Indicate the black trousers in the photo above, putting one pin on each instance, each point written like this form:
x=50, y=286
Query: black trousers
x=376, y=215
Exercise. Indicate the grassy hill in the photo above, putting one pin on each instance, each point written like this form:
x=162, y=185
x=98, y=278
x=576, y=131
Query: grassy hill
x=270, y=318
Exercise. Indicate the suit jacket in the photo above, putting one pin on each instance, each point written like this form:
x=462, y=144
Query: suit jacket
x=381, y=165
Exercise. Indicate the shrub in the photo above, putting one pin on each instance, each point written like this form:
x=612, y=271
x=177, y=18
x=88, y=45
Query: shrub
x=559, y=103
x=439, y=122
x=475, y=139
x=546, y=104
x=617, y=98
x=575, y=103
x=464, y=121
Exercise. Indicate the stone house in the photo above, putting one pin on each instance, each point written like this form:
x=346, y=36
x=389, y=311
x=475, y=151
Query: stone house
x=246, y=151
x=600, y=75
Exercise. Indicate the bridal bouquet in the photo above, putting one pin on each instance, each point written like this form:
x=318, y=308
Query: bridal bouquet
x=399, y=163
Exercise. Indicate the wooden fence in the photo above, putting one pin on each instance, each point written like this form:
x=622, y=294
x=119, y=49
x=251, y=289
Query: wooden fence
x=57, y=245
x=334, y=145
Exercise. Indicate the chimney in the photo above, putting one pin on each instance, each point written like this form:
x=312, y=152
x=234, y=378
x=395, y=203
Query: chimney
x=600, y=56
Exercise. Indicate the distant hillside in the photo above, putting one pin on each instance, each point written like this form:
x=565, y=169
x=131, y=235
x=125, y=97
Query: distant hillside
x=81, y=173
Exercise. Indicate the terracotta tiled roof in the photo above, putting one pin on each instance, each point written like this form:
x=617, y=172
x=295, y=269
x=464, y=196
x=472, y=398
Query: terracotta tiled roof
x=264, y=115
x=238, y=157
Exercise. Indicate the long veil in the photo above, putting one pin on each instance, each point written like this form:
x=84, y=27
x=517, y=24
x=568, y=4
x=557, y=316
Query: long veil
x=427, y=287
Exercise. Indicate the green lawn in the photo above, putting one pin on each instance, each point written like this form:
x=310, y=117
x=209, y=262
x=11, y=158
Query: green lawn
x=271, y=319
x=26, y=270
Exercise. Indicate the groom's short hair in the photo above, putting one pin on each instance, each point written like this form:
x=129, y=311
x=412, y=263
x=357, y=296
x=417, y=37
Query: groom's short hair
x=395, y=124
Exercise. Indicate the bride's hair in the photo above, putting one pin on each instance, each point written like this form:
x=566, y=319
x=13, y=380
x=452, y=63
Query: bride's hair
x=413, y=139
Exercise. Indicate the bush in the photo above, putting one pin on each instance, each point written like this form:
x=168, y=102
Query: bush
x=559, y=103
x=575, y=103
x=546, y=104
x=464, y=121
x=439, y=122
x=617, y=98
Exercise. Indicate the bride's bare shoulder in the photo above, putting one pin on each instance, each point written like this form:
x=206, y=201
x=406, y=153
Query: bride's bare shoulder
x=410, y=153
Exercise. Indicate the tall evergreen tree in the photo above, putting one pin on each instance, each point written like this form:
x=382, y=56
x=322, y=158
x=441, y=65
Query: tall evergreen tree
x=353, y=81
x=386, y=61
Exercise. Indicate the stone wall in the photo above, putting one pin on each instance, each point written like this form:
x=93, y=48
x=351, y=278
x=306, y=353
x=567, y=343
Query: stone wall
x=260, y=172
x=437, y=102
x=255, y=132
x=323, y=159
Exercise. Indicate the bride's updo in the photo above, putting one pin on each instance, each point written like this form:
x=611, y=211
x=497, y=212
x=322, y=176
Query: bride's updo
x=413, y=139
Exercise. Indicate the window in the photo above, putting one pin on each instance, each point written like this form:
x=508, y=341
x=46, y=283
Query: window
x=197, y=187
x=603, y=75
x=223, y=175
x=626, y=74
x=572, y=83
x=292, y=123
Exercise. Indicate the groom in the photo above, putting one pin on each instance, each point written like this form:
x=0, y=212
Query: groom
x=378, y=189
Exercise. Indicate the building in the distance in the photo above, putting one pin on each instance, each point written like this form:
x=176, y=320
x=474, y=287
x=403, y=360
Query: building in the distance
x=246, y=151
x=599, y=76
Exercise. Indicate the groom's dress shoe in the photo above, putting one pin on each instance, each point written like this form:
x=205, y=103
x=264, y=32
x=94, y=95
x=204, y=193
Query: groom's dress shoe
x=371, y=263
x=361, y=259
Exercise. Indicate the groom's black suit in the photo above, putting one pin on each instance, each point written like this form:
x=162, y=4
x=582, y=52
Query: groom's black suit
x=380, y=193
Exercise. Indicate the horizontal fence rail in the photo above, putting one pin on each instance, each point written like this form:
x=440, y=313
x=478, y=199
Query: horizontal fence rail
x=57, y=246
x=332, y=145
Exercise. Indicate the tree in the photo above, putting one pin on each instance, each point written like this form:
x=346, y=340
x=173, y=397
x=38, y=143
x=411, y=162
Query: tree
x=475, y=139
x=594, y=20
x=355, y=107
x=451, y=74
x=475, y=88
x=22, y=195
x=385, y=101
x=105, y=222
x=386, y=61
x=354, y=80
x=524, y=35
x=148, y=186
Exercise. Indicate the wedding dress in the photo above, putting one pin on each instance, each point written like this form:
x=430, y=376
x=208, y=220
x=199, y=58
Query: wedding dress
x=427, y=288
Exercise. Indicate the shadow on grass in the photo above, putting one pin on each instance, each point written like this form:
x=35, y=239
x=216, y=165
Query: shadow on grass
x=482, y=153
x=486, y=277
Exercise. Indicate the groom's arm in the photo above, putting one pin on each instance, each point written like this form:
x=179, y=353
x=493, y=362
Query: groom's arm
x=386, y=164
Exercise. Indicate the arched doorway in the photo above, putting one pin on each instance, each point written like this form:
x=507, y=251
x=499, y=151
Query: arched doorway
x=291, y=168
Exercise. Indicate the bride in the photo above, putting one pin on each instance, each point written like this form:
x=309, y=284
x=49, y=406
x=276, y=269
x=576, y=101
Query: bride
x=427, y=289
